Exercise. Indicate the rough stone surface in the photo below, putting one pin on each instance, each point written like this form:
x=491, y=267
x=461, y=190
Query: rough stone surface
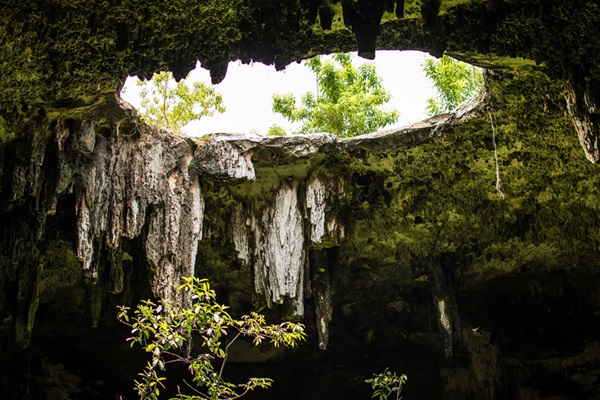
x=98, y=209
x=220, y=159
x=585, y=115
x=134, y=185
x=321, y=194
x=273, y=242
x=316, y=205
x=68, y=53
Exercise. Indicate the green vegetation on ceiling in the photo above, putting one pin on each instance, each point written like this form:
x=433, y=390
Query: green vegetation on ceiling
x=441, y=198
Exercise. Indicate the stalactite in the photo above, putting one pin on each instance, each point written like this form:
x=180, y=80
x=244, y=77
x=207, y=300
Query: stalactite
x=241, y=229
x=325, y=231
x=19, y=182
x=445, y=303
x=315, y=205
x=133, y=186
x=584, y=113
x=445, y=327
x=324, y=311
x=322, y=292
x=85, y=239
x=115, y=272
x=279, y=268
x=493, y=123
x=272, y=240
x=321, y=193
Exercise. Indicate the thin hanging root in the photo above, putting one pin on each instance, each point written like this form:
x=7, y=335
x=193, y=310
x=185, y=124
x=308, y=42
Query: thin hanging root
x=498, y=182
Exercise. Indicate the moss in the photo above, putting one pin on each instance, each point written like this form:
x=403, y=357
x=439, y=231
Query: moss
x=495, y=62
x=89, y=47
x=440, y=198
x=61, y=275
x=412, y=8
x=217, y=261
x=338, y=17
x=6, y=134
x=447, y=5
x=54, y=53
x=552, y=34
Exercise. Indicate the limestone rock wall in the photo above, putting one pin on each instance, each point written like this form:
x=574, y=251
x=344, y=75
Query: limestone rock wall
x=135, y=187
x=135, y=184
x=394, y=247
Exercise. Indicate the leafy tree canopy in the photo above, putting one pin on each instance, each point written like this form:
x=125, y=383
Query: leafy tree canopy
x=347, y=103
x=454, y=81
x=173, y=105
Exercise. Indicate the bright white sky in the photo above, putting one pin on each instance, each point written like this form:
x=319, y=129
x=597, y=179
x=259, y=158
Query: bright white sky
x=247, y=91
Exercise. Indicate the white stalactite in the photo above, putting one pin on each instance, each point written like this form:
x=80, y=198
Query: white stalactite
x=316, y=205
x=128, y=179
x=273, y=242
x=279, y=267
x=446, y=326
x=240, y=227
x=85, y=240
x=321, y=192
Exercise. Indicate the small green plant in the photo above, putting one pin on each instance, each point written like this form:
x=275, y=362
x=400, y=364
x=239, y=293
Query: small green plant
x=166, y=334
x=276, y=130
x=386, y=383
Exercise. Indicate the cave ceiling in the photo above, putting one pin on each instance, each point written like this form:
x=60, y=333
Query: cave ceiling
x=64, y=54
x=58, y=50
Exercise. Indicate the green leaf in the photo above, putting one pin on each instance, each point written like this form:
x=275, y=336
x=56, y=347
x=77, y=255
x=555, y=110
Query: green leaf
x=348, y=101
x=454, y=81
x=173, y=105
x=209, y=320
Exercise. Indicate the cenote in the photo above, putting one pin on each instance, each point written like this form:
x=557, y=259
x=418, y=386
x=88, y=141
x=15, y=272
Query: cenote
x=461, y=251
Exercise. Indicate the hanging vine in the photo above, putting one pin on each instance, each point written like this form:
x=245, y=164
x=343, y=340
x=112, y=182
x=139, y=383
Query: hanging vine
x=493, y=123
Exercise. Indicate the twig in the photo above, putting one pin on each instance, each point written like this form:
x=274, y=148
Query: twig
x=195, y=390
x=226, y=354
x=176, y=357
x=398, y=397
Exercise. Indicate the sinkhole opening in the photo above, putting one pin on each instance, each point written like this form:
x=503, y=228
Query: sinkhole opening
x=342, y=94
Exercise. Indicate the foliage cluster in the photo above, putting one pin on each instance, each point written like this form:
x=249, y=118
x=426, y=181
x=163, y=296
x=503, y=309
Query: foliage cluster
x=166, y=334
x=454, y=81
x=173, y=105
x=385, y=384
x=348, y=101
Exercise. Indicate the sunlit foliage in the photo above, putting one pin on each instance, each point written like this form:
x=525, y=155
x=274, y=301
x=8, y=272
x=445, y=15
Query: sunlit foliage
x=173, y=105
x=348, y=101
x=387, y=384
x=165, y=333
x=454, y=81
